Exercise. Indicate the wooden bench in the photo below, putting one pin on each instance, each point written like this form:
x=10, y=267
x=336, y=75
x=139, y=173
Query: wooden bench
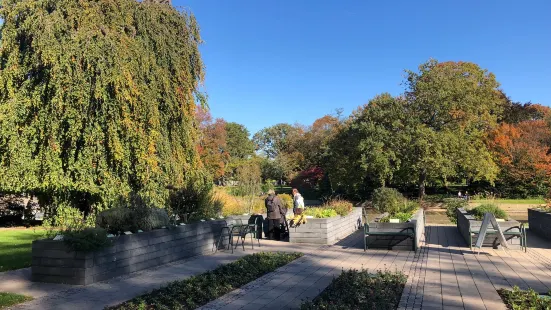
x=508, y=234
x=408, y=232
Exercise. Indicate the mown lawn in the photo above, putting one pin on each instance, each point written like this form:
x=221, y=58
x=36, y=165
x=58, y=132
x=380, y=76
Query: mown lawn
x=535, y=201
x=10, y=299
x=15, y=247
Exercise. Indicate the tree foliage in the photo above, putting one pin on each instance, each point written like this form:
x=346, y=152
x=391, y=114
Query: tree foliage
x=212, y=145
x=239, y=145
x=98, y=99
x=523, y=153
x=434, y=132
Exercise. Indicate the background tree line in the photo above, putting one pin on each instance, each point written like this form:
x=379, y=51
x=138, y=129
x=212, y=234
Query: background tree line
x=451, y=125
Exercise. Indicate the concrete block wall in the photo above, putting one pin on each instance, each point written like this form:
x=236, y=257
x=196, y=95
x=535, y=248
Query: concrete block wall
x=326, y=231
x=53, y=262
x=466, y=221
x=539, y=222
x=417, y=222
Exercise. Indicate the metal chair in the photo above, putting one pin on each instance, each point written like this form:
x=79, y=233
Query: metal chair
x=253, y=229
x=231, y=231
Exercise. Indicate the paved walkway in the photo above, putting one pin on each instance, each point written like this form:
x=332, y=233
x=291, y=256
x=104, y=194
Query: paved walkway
x=443, y=274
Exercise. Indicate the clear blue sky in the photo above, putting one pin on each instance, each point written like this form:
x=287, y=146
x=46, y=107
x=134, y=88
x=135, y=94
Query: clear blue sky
x=296, y=60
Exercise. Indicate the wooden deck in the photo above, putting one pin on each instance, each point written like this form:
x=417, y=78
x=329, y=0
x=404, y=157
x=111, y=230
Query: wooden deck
x=446, y=274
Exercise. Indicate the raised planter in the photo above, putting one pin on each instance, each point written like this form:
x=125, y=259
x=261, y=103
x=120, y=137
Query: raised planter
x=417, y=222
x=53, y=262
x=328, y=230
x=539, y=222
x=467, y=223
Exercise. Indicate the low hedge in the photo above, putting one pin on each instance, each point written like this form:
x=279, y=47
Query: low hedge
x=519, y=299
x=199, y=290
x=478, y=212
x=10, y=299
x=355, y=289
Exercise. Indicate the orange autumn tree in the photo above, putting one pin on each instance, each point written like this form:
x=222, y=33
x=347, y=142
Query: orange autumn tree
x=212, y=146
x=522, y=150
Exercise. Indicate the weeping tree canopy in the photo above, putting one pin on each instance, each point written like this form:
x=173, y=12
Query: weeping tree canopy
x=97, y=99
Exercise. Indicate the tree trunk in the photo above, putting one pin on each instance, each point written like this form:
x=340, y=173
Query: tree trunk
x=422, y=180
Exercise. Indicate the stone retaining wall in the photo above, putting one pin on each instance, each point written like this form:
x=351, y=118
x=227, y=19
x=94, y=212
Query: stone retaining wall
x=328, y=230
x=53, y=262
x=539, y=222
x=466, y=221
x=417, y=222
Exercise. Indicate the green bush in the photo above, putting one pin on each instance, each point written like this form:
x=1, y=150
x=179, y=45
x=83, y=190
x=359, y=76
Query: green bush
x=452, y=205
x=11, y=299
x=87, y=239
x=479, y=211
x=198, y=290
x=67, y=217
x=355, y=289
x=320, y=212
x=389, y=200
x=194, y=203
x=287, y=201
x=120, y=219
x=519, y=299
x=402, y=216
x=267, y=185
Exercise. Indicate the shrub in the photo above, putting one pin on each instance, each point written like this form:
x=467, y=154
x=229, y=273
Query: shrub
x=361, y=290
x=402, y=216
x=198, y=290
x=341, y=206
x=389, y=200
x=194, y=202
x=320, y=212
x=287, y=201
x=479, y=211
x=120, y=219
x=231, y=205
x=267, y=185
x=452, y=205
x=259, y=206
x=519, y=299
x=67, y=217
x=87, y=239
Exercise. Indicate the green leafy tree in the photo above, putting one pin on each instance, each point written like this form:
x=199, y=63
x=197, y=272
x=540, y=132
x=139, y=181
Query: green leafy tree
x=433, y=133
x=98, y=99
x=449, y=106
x=238, y=143
x=275, y=139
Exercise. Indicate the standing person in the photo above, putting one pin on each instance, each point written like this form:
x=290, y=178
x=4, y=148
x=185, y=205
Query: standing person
x=273, y=209
x=298, y=202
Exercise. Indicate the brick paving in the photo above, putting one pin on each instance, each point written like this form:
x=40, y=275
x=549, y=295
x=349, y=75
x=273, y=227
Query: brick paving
x=443, y=274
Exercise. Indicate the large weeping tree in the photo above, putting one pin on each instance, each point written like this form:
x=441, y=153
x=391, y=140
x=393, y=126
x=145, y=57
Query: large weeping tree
x=97, y=99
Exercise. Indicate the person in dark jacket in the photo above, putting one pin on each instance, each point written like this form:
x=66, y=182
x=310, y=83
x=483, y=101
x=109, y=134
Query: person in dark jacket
x=273, y=209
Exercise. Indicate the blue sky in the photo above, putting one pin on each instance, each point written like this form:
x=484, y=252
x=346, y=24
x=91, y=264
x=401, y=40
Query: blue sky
x=294, y=61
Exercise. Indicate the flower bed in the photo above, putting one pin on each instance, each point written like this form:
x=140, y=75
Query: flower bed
x=519, y=299
x=53, y=261
x=199, y=290
x=467, y=222
x=326, y=230
x=416, y=222
x=360, y=290
x=539, y=222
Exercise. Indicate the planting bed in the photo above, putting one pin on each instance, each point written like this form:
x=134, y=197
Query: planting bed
x=53, y=262
x=326, y=230
x=539, y=222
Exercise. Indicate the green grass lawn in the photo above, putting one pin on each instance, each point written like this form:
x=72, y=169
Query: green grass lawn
x=15, y=247
x=534, y=201
x=10, y=299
